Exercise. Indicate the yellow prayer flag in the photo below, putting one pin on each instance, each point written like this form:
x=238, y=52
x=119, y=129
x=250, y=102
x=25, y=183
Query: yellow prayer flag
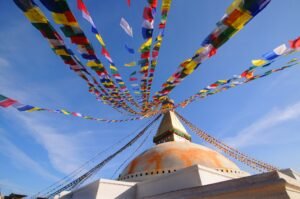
x=200, y=50
x=35, y=15
x=189, y=66
x=91, y=63
x=159, y=38
x=65, y=112
x=236, y=4
x=112, y=67
x=153, y=62
x=158, y=44
x=144, y=68
x=146, y=44
x=34, y=109
x=202, y=91
x=99, y=38
x=131, y=64
x=94, y=64
x=222, y=81
x=166, y=4
x=62, y=19
x=171, y=79
x=258, y=62
x=242, y=20
x=61, y=52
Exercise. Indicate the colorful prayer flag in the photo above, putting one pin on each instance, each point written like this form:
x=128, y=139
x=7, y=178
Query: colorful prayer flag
x=131, y=64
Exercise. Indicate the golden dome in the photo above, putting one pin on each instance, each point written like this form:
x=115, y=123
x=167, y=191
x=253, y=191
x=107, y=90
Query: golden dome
x=169, y=157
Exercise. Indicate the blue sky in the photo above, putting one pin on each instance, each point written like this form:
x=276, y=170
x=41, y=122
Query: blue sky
x=260, y=118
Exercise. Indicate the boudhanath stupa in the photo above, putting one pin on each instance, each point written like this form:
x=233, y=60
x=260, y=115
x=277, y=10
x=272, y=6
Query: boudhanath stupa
x=175, y=167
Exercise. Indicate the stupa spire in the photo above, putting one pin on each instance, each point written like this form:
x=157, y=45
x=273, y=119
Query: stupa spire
x=170, y=128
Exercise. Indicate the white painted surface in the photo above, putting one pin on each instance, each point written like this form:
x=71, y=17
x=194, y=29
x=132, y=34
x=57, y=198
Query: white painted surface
x=104, y=189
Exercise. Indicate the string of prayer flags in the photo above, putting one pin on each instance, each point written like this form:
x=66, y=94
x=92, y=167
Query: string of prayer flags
x=6, y=102
x=237, y=16
x=131, y=64
x=86, y=15
x=165, y=8
x=77, y=37
x=105, y=53
x=107, y=82
x=280, y=50
x=245, y=77
x=32, y=12
x=236, y=80
x=270, y=56
x=130, y=50
x=145, y=49
x=68, y=57
x=126, y=27
x=132, y=78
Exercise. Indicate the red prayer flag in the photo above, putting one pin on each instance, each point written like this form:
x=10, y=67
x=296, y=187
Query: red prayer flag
x=212, y=52
x=132, y=79
x=295, y=43
x=106, y=54
x=244, y=73
x=70, y=62
x=153, y=3
x=79, y=40
x=145, y=55
x=162, y=25
x=148, y=14
x=214, y=85
x=81, y=6
x=7, y=102
x=154, y=53
x=70, y=17
x=128, y=2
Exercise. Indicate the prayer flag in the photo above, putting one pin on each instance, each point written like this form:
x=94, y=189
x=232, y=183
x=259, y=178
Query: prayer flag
x=147, y=44
x=133, y=73
x=35, y=15
x=130, y=50
x=132, y=79
x=106, y=54
x=280, y=50
x=131, y=64
x=295, y=43
x=258, y=62
x=126, y=27
x=55, y=6
x=24, y=5
x=6, y=102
